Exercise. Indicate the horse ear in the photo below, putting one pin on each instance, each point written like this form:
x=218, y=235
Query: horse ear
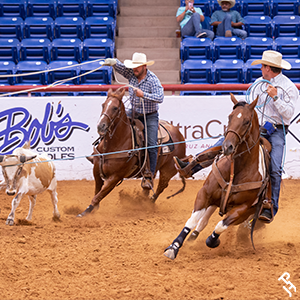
x=27, y=145
x=109, y=92
x=233, y=99
x=122, y=92
x=253, y=103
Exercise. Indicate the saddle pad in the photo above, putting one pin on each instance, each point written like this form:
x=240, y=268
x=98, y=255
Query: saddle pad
x=262, y=163
x=163, y=135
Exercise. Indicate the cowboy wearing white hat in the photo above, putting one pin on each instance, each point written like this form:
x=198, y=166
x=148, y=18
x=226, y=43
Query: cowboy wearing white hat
x=277, y=97
x=228, y=22
x=144, y=85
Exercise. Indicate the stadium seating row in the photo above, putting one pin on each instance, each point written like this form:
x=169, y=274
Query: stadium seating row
x=52, y=72
x=58, y=49
x=58, y=8
x=252, y=7
x=229, y=71
x=61, y=27
x=236, y=48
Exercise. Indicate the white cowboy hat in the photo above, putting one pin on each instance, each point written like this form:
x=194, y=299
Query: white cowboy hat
x=138, y=59
x=232, y=2
x=273, y=59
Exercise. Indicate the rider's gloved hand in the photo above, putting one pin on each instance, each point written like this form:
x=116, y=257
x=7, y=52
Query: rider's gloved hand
x=109, y=62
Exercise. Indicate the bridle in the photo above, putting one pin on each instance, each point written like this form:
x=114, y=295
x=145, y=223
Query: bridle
x=112, y=121
x=243, y=138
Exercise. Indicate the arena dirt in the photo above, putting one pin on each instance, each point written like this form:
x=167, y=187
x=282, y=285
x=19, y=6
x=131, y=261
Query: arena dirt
x=117, y=251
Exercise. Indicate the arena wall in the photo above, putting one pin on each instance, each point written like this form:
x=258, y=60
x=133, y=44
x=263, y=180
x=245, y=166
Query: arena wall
x=65, y=128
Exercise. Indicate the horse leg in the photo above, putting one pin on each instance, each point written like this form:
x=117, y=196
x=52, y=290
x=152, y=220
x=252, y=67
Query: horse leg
x=165, y=174
x=107, y=187
x=172, y=251
x=202, y=222
x=235, y=216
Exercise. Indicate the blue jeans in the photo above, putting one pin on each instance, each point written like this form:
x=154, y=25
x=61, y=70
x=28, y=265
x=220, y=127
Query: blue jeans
x=226, y=25
x=192, y=27
x=152, y=130
x=277, y=140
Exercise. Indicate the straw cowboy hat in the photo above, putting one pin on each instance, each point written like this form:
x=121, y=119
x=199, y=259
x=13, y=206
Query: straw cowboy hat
x=138, y=59
x=273, y=59
x=232, y=2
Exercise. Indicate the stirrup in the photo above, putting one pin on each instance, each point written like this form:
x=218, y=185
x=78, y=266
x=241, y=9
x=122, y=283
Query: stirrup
x=263, y=215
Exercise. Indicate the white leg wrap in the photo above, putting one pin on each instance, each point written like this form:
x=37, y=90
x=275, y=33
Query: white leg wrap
x=194, y=219
x=220, y=227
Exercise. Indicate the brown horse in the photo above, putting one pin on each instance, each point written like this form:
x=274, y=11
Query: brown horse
x=237, y=183
x=122, y=160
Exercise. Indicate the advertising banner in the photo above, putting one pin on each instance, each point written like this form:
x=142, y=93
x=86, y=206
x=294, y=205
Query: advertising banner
x=65, y=128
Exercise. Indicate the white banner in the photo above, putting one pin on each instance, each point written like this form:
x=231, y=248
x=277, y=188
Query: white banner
x=65, y=128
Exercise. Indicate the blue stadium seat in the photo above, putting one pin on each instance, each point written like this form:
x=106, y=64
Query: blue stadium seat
x=195, y=48
x=66, y=49
x=24, y=67
x=197, y=71
x=252, y=72
x=100, y=76
x=256, y=8
x=289, y=47
x=13, y=8
x=70, y=8
x=41, y=8
x=65, y=73
x=294, y=73
x=101, y=8
x=259, y=26
x=97, y=48
x=255, y=46
x=285, y=7
x=229, y=71
x=228, y=48
x=11, y=27
x=68, y=27
x=35, y=49
x=38, y=27
x=7, y=68
x=286, y=26
x=100, y=27
x=10, y=49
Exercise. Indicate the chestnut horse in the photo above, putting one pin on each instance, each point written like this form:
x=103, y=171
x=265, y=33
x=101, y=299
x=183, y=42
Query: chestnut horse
x=122, y=160
x=237, y=183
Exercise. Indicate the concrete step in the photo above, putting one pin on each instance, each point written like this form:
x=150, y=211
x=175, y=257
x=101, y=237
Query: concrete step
x=165, y=64
x=175, y=3
x=138, y=11
x=147, y=22
x=152, y=54
x=146, y=31
x=147, y=42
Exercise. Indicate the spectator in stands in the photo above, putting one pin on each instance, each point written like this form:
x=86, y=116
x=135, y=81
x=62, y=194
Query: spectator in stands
x=190, y=19
x=145, y=85
x=278, y=99
x=228, y=22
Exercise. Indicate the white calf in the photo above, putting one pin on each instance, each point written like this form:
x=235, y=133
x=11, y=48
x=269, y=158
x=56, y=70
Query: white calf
x=25, y=173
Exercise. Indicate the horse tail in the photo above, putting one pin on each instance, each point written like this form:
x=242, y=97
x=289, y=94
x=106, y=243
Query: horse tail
x=181, y=190
x=261, y=196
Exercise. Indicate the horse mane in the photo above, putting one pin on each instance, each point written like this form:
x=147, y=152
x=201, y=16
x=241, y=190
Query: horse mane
x=240, y=103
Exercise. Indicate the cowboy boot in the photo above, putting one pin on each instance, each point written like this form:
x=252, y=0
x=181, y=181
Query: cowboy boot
x=147, y=181
x=202, y=160
x=266, y=213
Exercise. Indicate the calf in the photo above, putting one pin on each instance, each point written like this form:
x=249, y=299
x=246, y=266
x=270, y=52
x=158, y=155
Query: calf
x=26, y=173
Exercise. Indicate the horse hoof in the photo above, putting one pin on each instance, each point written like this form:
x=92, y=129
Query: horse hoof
x=193, y=236
x=172, y=251
x=213, y=242
x=87, y=211
x=153, y=198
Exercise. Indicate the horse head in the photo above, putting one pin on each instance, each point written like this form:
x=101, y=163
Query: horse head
x=111, y=110
x=240, y=125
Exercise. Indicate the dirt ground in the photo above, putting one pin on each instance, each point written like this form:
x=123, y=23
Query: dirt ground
x=117, y=251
